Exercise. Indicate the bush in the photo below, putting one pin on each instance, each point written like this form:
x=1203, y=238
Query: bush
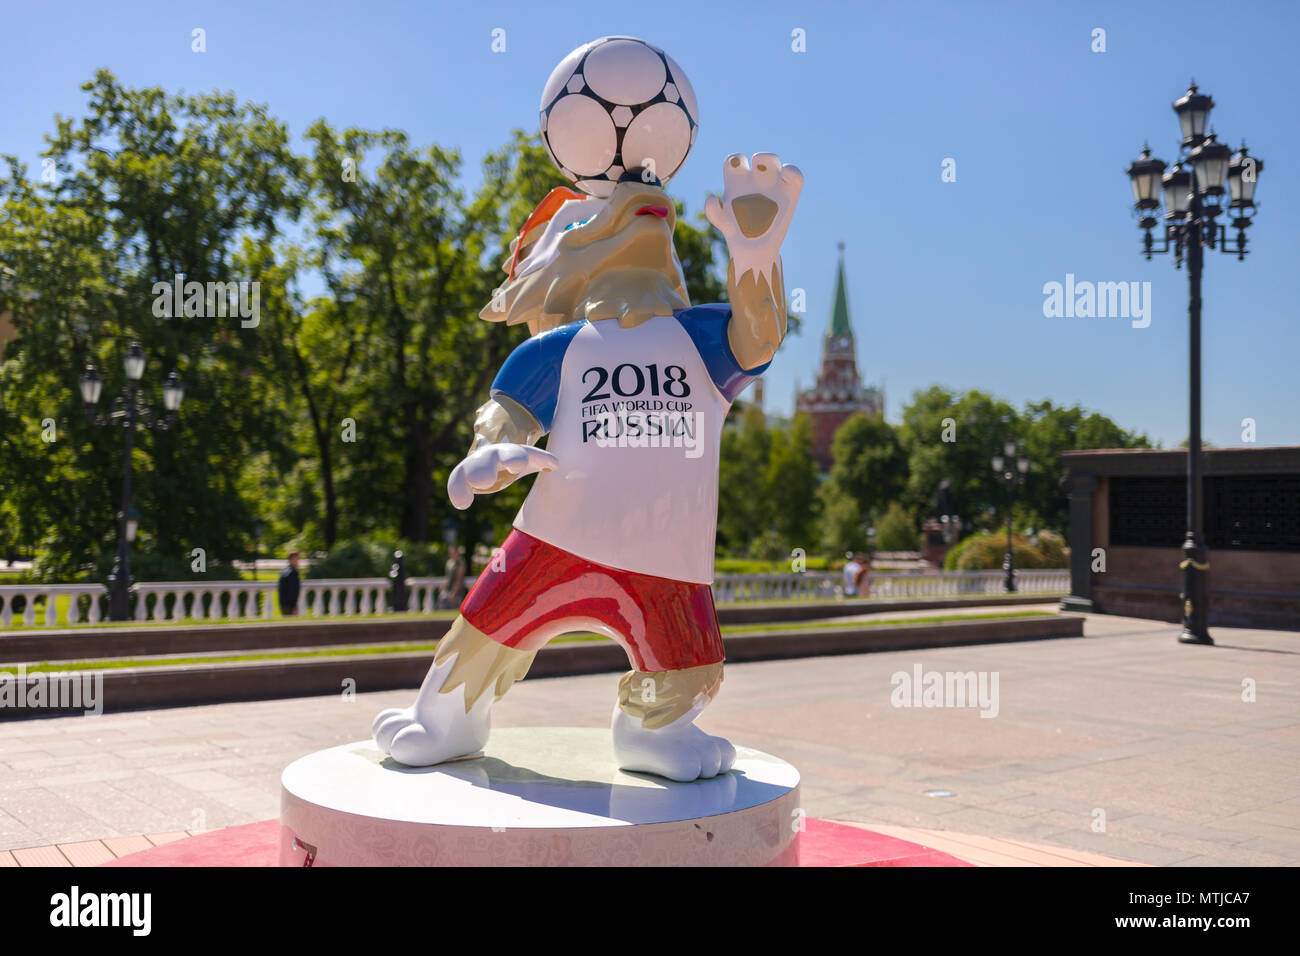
x=896, y=531
x=373, y=558
x=754, y=566
x=768, y=546
x=156, y=566
x=985, y=552
x=1053, y=550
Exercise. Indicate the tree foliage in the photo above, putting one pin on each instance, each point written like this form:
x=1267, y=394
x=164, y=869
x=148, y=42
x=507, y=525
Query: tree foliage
x=340, y=411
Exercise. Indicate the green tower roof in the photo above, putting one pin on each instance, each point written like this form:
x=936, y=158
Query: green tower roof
x=840, y=313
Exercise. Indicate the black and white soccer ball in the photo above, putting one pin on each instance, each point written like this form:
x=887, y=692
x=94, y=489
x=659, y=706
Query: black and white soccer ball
x=618, y=105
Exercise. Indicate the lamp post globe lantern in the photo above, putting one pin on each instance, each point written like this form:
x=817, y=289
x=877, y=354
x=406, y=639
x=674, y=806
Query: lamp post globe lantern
x=1210, y=160
x=1177, y=188
x=1243, y=175
x=92, y=383
x=132, y=524
x=1193, y=109
x=173, y=392
x=1192, y=189
x=1144, y=174
x=134, y=362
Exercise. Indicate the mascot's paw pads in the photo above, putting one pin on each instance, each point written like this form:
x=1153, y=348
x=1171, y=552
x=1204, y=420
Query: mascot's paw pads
x=682, y=753
x=387, y=724
x=400, y=734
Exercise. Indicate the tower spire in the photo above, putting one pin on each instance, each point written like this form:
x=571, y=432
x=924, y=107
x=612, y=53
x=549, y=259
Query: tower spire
x=840, y=312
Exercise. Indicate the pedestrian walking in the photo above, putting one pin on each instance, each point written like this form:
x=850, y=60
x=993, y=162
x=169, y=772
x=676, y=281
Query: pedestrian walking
x=289, y=586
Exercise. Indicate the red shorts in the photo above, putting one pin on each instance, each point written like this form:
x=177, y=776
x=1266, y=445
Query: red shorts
x=533, y=591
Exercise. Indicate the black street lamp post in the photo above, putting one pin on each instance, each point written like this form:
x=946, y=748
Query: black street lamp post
x=1010, y=468
x=258, y=527
x=129, y=408
x=1193, y=192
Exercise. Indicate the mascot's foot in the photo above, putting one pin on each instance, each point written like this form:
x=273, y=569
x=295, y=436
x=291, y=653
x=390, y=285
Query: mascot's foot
x=436, y=727
x=678, y=751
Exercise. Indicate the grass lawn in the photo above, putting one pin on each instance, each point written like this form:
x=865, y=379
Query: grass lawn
x=367, y=650
x=62, y=605
x=63, y=599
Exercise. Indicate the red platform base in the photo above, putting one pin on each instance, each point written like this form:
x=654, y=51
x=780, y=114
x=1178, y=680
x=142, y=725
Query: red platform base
x=822, y=844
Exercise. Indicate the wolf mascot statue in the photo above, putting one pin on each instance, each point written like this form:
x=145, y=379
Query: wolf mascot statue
x=631, y=384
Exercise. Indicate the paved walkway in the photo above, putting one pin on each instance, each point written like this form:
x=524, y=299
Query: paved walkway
x=1120, y=744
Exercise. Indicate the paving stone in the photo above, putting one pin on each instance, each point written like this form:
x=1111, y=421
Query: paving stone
x=1126, y=720
x=41, y=856
x=89, y=853
x=121, y=846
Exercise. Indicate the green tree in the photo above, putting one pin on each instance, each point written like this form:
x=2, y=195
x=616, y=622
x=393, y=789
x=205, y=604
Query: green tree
x=843, y=525
x=955, y=436
x=1049, y=431
x=791, y=485
x=744, y=510
x=390, y=352
x=869, y=466
x=146, y=186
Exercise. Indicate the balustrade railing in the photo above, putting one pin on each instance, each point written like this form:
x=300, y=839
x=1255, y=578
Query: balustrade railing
x=52, y=605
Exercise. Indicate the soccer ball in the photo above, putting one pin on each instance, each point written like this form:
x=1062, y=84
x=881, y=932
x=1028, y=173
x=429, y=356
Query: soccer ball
x=618, y=105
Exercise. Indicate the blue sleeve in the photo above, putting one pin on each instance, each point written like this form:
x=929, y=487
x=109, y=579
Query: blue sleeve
x=531, y=375
x=707, y=327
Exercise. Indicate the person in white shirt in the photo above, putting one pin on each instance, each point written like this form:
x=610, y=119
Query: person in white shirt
x=851, y=571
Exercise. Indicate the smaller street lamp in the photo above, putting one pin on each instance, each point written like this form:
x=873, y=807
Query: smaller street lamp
x=129, y=409
x=1010, y=467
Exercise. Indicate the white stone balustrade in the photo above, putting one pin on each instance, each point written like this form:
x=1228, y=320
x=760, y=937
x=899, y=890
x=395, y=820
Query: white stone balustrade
x=49, y=595
x=826, y=585
x=50, y=605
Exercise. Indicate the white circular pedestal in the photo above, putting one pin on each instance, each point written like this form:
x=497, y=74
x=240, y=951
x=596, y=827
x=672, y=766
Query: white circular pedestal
x=545, y=796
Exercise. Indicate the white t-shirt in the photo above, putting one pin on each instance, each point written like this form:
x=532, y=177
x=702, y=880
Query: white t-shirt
x=851, y=578
x=634, y=417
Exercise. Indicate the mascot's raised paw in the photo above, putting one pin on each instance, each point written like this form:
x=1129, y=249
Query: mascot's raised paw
x=757, y=204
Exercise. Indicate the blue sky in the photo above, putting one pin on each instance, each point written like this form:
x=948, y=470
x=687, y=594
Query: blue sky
x=945, y=279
